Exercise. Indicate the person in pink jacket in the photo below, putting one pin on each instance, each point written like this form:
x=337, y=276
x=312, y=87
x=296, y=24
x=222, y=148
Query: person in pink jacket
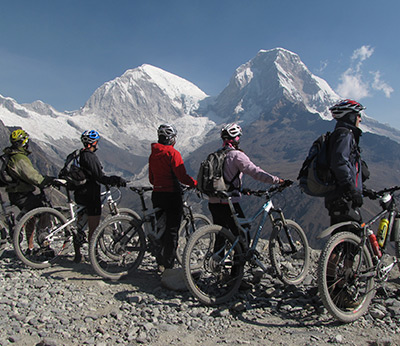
x=236, y=164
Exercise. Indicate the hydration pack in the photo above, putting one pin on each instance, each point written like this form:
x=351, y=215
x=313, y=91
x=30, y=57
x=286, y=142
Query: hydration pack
x=315, y=176
x=210, y=178
x=72, y=172
x=5, y=178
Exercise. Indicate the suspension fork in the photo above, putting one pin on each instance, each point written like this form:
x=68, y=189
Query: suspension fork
x=283, y=224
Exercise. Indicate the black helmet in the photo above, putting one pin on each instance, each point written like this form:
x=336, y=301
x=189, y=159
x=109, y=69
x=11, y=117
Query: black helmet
x=89, y=137
x=167, y=134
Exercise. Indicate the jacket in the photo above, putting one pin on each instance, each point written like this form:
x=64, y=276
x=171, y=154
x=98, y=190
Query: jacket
x=20, y=167
x=237, y=161
x=166, y=169
x=345, y=160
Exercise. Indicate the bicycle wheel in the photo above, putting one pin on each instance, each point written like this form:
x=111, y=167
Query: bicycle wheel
x=213, y=264
x=3, y=237
x=40, y=237
x=128, y=212
x=345, y=280
x=289, y=252
x=186, y=229
x=117, y=247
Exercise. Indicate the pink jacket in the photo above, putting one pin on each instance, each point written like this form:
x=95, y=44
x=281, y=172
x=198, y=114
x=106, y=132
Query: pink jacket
x=237, y=161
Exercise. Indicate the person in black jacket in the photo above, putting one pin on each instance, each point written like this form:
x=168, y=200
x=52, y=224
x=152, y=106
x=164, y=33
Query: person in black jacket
x=345, y=162
x=89, y=194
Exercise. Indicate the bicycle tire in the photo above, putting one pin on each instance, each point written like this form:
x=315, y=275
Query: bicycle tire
x=129, y=212
x=186, y=229
x=346, y=294
x=40, y=223
x=289, y=252
x=4, y=232
x=213, y=272
x=112, y=254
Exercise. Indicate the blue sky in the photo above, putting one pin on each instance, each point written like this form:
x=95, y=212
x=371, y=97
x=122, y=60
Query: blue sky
x=60, y=52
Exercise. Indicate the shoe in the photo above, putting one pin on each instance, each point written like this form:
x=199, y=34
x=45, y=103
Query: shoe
x=347, y=301
x=160, y=268
x=78, y=258
x=245, y=286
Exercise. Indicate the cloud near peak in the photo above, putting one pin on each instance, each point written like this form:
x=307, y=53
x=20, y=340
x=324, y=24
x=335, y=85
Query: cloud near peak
x=356, y=84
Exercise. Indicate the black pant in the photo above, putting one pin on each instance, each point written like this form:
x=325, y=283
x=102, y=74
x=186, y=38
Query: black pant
x=222, y=215
x=25, y=201
x=171, y=203
x=341, y=210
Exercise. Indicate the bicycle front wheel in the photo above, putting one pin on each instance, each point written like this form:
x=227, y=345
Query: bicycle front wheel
x=117, y=247
x=213, y=264
x=187, y=228
x=41, y=237
x=289, y=252
x=345, y=279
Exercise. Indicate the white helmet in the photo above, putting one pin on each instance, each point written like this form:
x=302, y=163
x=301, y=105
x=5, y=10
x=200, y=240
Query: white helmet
x=231, y=131
x=166, y=134
x=344, y=107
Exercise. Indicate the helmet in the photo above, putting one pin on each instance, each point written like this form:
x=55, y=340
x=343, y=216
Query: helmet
x=89, y=137
x=344, y=107
x=166, y=134
x=231, y=131
x=167, y=131
x=19, y=138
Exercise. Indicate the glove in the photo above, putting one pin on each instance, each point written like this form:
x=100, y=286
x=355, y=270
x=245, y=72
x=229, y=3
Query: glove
x=371, y=194
x=356, y=199
x=117, y=181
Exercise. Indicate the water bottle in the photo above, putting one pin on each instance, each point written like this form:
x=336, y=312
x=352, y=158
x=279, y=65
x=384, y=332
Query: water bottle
x=382, y=231
x=374, y=244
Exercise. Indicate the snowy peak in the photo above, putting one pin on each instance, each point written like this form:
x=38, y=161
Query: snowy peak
x=258, y=85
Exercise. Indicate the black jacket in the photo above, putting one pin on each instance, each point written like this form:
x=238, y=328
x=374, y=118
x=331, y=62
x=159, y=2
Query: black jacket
x=345, y=160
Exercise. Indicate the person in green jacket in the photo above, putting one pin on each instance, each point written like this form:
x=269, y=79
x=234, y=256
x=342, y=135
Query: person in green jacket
x=26, y=177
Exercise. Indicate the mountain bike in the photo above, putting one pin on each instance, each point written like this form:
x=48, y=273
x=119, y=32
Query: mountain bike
x=8, y=220
x=352, y=260
x=45, y=235
x=120, y=242
x=215, y=258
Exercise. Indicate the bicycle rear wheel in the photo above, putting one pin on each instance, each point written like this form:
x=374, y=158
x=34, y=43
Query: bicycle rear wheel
x=186, y=229
x=289, y=252
x=3, y=237
x=213, y=265
x=345, y=279
x=40, y=237
x=117, y=247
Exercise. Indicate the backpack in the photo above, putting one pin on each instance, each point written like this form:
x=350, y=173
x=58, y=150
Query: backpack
x=72, y=172
x=315, y=176
x=5, y=178
x=210, y=178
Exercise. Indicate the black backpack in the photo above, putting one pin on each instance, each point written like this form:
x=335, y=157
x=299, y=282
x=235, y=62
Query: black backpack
x=5, y=178
x=315, y=176
x=72, y=172
x=210, y=178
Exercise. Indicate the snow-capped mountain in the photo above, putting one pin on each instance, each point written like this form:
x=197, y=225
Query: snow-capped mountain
x=127, y=110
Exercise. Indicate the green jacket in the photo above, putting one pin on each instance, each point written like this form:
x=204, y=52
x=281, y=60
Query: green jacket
x=20, y=167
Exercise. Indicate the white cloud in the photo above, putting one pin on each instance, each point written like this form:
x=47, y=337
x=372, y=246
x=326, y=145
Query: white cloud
x=355, y=84
x=378, y=84
x=352, y=85
x=362, y=53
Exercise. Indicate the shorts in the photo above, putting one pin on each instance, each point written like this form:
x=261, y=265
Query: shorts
x=25, y=201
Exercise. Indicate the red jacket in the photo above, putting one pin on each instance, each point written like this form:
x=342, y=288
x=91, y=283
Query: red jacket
x=166, y=167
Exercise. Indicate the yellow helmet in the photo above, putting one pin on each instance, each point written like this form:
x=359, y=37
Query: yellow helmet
x=19, y=138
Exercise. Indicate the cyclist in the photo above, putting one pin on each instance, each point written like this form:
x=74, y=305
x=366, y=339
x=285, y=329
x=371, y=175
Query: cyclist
x=166, y=171
x=236, y=164
x=26, y=177
x=345, y=162
x=89, y=194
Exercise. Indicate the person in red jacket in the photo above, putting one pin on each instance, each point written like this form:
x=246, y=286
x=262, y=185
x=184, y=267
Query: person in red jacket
x=166, y=172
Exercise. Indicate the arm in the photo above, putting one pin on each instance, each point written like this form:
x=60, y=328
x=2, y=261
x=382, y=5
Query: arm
x=179, y=170
x=244, y=164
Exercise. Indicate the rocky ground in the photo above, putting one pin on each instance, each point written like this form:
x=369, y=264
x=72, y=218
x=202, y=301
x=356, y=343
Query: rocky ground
x=69, y=305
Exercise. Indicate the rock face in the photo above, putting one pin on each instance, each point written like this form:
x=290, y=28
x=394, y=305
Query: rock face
x=69, y=305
